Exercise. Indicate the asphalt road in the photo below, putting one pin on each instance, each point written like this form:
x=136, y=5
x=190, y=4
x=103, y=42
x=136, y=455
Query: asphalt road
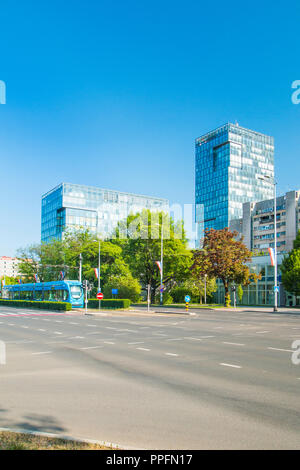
x=215, y=380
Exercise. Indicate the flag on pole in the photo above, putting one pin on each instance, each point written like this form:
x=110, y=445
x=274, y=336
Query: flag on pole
x=36, y=277
x=20, y=281
x=96, y=270
x=62, y=275
x=272, y=256
x=159, y=265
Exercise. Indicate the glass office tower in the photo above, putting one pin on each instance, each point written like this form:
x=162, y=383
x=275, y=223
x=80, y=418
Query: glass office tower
x=228, y=163
x=75, y=206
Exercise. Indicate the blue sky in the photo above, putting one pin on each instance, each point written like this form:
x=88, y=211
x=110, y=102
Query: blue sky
x=113, y=94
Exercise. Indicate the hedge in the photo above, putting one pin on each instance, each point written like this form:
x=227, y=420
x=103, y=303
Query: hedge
x=109, y=303
x=43, y=305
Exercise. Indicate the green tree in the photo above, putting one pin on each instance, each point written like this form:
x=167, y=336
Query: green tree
x=140, y=236
x=240, y=293
x=290, y=268
x=128, y=287
x=223, y=257
x=47, y=260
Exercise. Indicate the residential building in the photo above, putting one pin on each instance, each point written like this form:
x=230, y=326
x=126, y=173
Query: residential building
x=229, y=161
x=9, y=266
x=257, y=223
x=70, y=206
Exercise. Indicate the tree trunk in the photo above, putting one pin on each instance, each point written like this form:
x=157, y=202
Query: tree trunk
x=227, y=295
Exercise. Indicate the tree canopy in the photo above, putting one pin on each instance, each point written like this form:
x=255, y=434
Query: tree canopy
x=223, y=257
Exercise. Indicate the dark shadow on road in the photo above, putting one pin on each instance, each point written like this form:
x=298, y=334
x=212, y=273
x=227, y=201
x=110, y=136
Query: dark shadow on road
x=33, y=422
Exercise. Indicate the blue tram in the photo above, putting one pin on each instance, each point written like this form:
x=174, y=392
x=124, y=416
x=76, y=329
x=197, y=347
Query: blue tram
x=57, y=291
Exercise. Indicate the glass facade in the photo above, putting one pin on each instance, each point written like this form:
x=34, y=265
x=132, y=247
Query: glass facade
x=228, y=163
x=75, y=206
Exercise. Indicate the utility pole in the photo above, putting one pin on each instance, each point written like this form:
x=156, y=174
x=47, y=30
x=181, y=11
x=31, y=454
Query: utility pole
x=99, y=269
x=273, y=182
x=80, y=267
x=205, y=276
x=161, y=263
x=275, y=251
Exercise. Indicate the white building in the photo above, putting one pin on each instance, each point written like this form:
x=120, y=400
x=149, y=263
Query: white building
x=9, y=266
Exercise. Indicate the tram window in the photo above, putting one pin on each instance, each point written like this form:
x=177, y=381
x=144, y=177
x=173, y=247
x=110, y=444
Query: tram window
x=76, y=292
x=38, y=295
x=14, y=295
x=26, y=295
x=61, y=295
x=46, y=295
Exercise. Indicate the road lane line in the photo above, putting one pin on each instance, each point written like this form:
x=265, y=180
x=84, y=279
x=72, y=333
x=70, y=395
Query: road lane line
x=108, y=342
x=92, y=347
x=144, y=349
x=261, y=332
x=137, y=342
x=171, y=354
x=230, y=365
x=42, y=352
x=235, y=344
x=285, y=350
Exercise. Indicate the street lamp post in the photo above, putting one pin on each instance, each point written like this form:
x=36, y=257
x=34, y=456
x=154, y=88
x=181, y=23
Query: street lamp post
x=205, y=276
x=161, y=263
x=99, y=270
x=273, y=182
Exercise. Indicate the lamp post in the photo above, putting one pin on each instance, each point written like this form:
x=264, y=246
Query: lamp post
x=205, y=276
x=161, y=263
x=272, y=181
x=99, y=268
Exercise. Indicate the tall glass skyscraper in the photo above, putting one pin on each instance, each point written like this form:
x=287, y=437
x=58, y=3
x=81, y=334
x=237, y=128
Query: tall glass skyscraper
x=73, y=206
x=228, y=163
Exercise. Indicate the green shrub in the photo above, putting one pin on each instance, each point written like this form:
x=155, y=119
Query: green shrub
x=42, y=305
x=179, y=293
x=167, y=298
x=128, y=288
x=109, y=303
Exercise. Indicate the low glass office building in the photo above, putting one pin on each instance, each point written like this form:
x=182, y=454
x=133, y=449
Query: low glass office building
x=260, y=293
x=71, y=206
x=228, y=163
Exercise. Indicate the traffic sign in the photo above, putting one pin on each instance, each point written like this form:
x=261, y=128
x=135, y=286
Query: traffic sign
x=276, y=288
x=99, y=296
x=187, y=298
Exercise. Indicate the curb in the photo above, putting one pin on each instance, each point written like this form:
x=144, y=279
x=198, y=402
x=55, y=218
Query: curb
x=33, y=432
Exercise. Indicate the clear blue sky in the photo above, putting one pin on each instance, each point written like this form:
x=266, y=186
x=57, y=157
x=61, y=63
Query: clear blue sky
x=113, y=94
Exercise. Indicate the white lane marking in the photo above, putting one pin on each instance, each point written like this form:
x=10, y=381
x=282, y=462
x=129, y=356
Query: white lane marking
x=235, y=344
x=195, y=339
x=144, y=327
x=57, y=333
x=77, y=337
x=230, y=365
x=171, y=354
x=45, y=319
x=41, y=329
x=110, y=328
x=144, y=349
x=278, y=349
x=42, y=352
x=91, y=325
x=108, y=342
x=73, y=323
x=11, y=324
x=58, y=321
x=92, y=347
x=207, y=336
x=260, y=332
x=159, y=334
x=137, y=342
x=218, y=327
x=22, y=326
x=174, y=339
